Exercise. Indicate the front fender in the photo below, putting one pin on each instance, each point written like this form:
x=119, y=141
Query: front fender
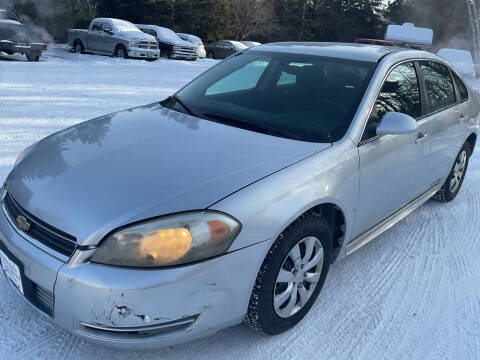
x=267, y=207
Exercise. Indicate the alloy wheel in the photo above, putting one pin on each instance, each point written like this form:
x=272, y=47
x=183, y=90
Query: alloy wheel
x=458, y=171
x=298, y=277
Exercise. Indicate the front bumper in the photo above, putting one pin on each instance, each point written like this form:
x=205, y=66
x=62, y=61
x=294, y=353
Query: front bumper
x=13, y=47
x=132, y=308
x=139, y=53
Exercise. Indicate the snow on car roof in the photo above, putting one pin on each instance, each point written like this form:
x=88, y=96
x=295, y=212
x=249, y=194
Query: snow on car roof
x=165, y=33
x=192, y=38
x=362, y=52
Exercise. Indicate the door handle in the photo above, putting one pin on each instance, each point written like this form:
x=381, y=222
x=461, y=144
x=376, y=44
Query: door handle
x=421, y=138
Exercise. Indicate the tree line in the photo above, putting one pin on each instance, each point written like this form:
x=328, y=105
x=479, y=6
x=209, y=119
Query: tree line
x=259, y=20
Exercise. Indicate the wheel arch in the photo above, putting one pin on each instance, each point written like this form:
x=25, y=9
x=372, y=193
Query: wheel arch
x=336, y=218
x=78, y=41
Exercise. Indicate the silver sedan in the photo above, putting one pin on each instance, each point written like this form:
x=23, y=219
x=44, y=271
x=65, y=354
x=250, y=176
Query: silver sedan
x=229, y=201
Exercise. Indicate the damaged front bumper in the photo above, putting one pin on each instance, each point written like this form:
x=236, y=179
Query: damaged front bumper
x=135, y=308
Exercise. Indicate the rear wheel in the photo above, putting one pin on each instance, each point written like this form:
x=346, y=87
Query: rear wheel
x=291, y=276
x=454, y=181
x=79, y=48
x=33, y=56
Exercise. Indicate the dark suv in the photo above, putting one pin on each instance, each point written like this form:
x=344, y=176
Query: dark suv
x=18, y=38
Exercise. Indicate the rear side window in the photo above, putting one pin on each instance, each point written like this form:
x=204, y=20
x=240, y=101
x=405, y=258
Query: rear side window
x=462, y=89
x=400, y=93
x=440, y=90
x=97, y=26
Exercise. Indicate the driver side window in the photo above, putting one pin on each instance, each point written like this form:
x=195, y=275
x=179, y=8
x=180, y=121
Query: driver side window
x=400, y=93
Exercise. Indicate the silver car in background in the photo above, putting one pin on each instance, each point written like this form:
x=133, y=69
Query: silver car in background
x=120, y=38
x=229, y=201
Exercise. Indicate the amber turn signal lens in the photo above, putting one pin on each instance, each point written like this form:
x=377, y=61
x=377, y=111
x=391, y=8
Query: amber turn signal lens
x=166, y=246
x=218, y=230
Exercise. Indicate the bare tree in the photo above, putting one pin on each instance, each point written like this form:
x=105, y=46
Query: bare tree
x=247, y=16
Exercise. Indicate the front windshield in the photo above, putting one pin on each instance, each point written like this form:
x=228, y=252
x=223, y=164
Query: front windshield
x=121, y=26
x=308, y=98
x=8, y=15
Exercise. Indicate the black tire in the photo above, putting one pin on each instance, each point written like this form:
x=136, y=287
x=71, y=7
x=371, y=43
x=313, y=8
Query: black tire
x=121, y=52
x=164, y=54
x=445, y=194
x=211, y=55
x=78, y=47
x=151, y=60
x=33, y=57
x=261, y=314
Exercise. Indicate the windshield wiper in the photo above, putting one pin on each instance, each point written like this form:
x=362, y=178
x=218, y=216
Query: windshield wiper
x=244, y=125
x=175, y=99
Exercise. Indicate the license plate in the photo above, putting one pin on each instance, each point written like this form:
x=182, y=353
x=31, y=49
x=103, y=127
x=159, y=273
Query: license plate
x=12, y=271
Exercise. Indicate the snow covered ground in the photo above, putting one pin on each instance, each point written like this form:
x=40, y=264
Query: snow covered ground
x=413, y=293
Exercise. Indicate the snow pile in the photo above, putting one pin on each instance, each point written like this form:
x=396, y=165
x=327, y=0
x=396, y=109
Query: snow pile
x=462, y=60
x=408, y=33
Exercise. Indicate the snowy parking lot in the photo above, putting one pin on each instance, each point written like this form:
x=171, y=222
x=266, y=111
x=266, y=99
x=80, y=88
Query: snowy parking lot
x=411, y=294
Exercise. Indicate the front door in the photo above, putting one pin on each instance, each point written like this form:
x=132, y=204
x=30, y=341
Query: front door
x=392, y=167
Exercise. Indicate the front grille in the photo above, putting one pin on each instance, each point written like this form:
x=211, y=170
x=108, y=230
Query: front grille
x=42, y=299
x=49, y=236
x=152, y=45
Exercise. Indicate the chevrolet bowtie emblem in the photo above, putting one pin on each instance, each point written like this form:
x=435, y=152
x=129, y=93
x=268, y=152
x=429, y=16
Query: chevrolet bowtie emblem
x=22, y=223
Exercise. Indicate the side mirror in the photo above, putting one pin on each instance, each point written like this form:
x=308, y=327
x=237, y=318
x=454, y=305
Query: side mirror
x=395, y=123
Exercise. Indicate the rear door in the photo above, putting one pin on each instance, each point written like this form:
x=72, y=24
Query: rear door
x=443, y=124
x=392, y=167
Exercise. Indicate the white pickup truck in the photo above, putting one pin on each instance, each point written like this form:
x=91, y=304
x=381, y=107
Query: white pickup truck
x=115, y=37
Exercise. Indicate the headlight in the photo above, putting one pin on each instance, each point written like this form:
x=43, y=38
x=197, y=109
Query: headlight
x=132, y=43
x=170, y=240
x=24, y=153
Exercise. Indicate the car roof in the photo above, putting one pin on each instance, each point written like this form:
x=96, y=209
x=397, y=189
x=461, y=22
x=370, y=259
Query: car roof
x=361, y=52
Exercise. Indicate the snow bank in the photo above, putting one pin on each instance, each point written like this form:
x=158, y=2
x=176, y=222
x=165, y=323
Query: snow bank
x=462, y=60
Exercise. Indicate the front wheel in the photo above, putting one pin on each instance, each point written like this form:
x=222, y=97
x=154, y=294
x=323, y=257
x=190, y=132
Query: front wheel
x=121, y=52
x=291, y=276
x=211, y=55
x=452, y=185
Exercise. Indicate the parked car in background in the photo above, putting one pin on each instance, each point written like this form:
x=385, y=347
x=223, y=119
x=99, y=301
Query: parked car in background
x=16, y=37
x=201, y=53
x=223, y=49
x=462, y=60
x=229, y=200
x=250, y=44
x=171, y=45
x=120, y=38
x=380, y=42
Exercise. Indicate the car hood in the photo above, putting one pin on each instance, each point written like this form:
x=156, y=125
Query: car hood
x=105, y=173
x=136, y=36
